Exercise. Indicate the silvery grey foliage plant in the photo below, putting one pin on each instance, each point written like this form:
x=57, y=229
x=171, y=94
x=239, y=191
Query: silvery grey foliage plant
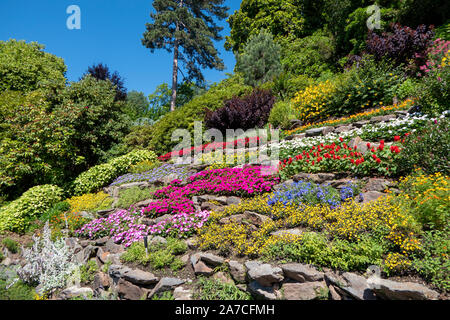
x=48, y=263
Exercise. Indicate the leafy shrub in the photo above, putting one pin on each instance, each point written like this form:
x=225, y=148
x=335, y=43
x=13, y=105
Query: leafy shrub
x=311, y=104
x=314, y=248
x=55, y=211
x=90, y=202
x=281, y=115
x=133, y=195
x=432, y=261
x=160, y=137
x=18, y=291
x=102, y=175
x=425, y=197
x=427, y=149
x=70, y=221
x=407, y=89
x=87, y=271
x=159, y=256
x=17, y=215
x=401, y=45
x=369, y=84
x=443, y=32
x=214, y=289
x=311, y=56
x=144, y=166
x=26, y=67
x=48, y=263
x=434, y=92
x=245, y=113
x=259, y=61
x=11, y=245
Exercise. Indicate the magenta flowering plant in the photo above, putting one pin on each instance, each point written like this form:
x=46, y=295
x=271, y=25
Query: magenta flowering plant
x=122, y=226
x=244, y=182
x=182, y=224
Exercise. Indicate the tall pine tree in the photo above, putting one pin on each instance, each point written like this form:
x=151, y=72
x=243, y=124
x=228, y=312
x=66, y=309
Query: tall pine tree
x=187, y=28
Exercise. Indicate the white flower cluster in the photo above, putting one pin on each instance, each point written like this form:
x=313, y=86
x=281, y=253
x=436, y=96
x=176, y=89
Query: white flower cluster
x=48, y=263
x=305, y=143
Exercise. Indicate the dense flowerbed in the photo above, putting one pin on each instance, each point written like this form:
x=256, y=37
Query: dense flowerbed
x=208, y=147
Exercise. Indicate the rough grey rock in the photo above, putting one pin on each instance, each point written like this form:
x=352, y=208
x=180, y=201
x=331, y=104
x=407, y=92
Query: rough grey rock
x=371, y=196
x=303, y=291
x=344, y=128
x=237, y=271
x=116, y=271
x=294, y=231
x=101, y=241
x=129, y=291
x=265, y=274
x=211, y=259
x=84, y=255
x=261, y=292
x=392, y=290
x=140, y=277
x=377, y=184
x=200, y=268
x=101, y=281
x=156, y=240
x=255, y=218
x=233, y=200
x=357, y=286
x=165, y=284
x=162, y=218
x=112, y=247
x=130, y=185
x=74, y=291
x=315, y=132
x=306, y=177
x=296, y=124
x=385, y=118
x=182, y=294
x=285, y=184
x=302, y=272
x=360, y=124
x=250, y=264
x=144, y=203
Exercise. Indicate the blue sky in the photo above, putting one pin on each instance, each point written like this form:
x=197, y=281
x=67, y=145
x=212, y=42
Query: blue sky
x=111, y=32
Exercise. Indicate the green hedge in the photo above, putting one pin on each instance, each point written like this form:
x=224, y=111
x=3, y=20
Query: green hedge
x=19, y=214
x=103, y=174
x=184, y=117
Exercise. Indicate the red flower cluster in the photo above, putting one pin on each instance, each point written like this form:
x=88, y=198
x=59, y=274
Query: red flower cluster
x=337, y=152
x=241, y=143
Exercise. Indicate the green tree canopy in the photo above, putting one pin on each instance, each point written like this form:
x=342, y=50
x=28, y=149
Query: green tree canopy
x=260, y=59
x=187, y=28
x=26, y=67
x=294, y=18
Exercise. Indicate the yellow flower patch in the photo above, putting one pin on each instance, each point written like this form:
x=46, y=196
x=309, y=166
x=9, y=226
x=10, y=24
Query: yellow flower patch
x=89, y=202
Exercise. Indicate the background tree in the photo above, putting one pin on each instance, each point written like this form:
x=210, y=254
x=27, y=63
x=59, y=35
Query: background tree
x=260, y=59
x=136, y=105
x=101, y=72
x=293, y=18
x=187, y=28
x=25, y=67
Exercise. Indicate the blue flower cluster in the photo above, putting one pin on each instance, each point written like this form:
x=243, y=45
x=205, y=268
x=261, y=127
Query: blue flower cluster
x=153, y=175
x=307, y=193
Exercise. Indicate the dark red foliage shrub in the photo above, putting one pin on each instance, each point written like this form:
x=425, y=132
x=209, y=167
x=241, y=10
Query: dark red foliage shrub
x=245, y=113
x=402, y=44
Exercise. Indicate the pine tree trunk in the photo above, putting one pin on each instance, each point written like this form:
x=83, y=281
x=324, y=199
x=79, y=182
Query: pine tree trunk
x=174, y=78
x=175, y=69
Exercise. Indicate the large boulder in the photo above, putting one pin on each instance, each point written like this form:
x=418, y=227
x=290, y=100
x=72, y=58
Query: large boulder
x=266, y=275
x=140, y=277
x=301, y=272
x=304, y=291
x=392, y=290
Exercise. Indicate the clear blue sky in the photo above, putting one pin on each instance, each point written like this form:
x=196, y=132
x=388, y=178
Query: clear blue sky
x=111, y=32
